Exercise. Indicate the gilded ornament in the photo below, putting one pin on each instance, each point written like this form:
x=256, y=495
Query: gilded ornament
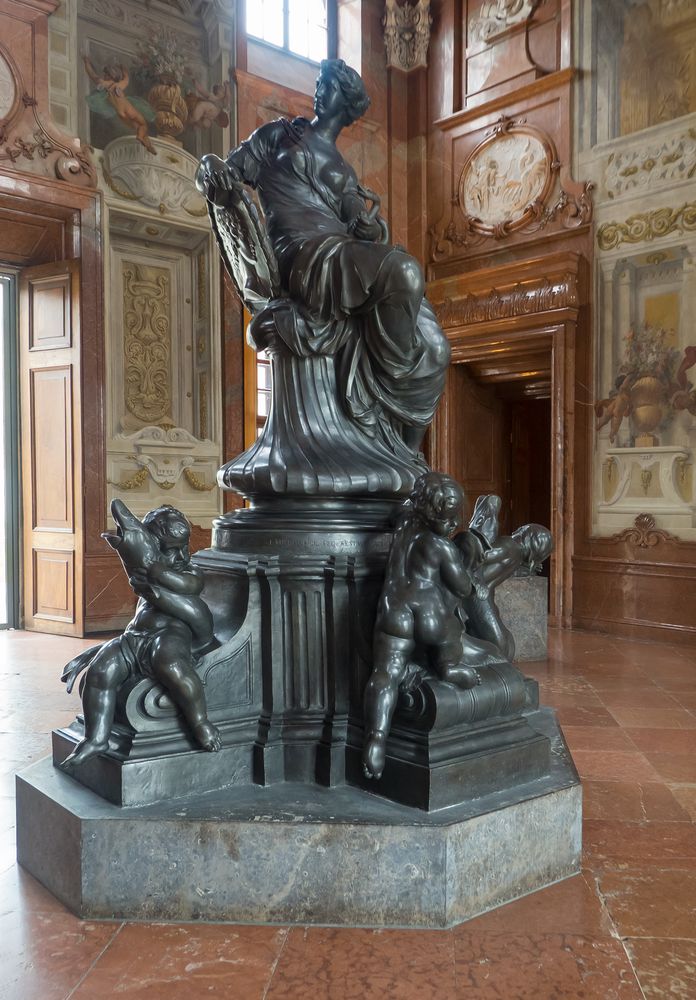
x=647, y=226
x=196, y=483
x=136, y=481
x=203, y=405
x=147, y=341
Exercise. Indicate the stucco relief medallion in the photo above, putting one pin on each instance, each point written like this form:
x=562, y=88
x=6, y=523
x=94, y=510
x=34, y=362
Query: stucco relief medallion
x=506, y=180
x=9, y=92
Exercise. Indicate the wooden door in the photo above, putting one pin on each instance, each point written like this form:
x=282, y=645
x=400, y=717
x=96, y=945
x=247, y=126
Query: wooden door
x=51, y=446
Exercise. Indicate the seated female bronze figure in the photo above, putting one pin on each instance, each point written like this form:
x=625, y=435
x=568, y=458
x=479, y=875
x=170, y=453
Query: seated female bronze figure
x=327, y=287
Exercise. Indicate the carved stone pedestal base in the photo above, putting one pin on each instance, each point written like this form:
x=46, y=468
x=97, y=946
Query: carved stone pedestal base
x=293, y=596
x=450, y=745
x=299, y=853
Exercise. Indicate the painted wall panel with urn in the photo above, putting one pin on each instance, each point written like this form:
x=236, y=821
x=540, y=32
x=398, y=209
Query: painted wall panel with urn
x=153, y=92
x=645, y=282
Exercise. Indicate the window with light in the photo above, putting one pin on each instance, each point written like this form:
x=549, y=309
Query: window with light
x=298, y=26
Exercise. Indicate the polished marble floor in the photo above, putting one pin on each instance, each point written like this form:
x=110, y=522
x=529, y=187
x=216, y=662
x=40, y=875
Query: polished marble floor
x=625, y=928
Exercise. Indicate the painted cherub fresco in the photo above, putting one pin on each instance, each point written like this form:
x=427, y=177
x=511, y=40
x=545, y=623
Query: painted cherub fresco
x=172, y=627
x=209, y=107
x=110, y=101
x=617, y=406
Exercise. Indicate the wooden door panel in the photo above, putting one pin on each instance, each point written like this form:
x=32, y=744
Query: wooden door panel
x=49, y=324
x=50, y=312
x=54, y=578
x=52, y=432
x=477, y=438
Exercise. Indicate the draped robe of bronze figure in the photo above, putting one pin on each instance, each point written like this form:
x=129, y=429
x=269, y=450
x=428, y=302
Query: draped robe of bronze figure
x=325, y=287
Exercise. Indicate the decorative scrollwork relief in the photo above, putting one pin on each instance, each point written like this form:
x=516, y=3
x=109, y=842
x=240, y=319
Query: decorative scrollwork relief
x=165, y=182
x=26, y=135
x=520, y=300
x=652, y=166
x=644, y=534
x=511, y=183
x=407, y=33
x=147, y=341
x=647, y=226
x=497, y=16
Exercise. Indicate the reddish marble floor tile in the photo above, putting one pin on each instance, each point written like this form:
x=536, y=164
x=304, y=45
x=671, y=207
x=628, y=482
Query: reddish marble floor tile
x=613, y=844
x=569, y=907
x=616, y=669
x=665, y=968
x=674, y=767
x=16, y=753
x=625, y=684
x=651, y=902
x=338, y=964
x=614, y=765
x=20, y=893
x=650, y=698
x=597, y=738
x=687, y=699
x=185, y=962
x=44, y=955
x=648, y=718
x=584, y=715
x=679, y=741
x=631, y=801
x=542, y=967
x=657, y=656
x=564, y=700
x=686, y=797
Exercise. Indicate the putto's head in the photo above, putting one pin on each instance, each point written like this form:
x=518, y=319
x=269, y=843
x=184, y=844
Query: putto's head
x=169, y=526
x=439, y=501
x=339, y=88
x=113, y=72
x=537, y=544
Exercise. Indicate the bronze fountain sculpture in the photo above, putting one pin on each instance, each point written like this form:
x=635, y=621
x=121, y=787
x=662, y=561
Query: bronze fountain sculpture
x=274, y=647
x=338, y=648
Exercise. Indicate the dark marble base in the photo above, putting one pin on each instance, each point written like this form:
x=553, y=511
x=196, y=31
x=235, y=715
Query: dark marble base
x=294, y=853
x=524, y=607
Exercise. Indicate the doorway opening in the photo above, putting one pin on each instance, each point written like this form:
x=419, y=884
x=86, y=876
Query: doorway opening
x=9, y=456
x=500, y=442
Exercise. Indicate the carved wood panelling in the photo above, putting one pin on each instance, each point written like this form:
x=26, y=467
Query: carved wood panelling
x=54, y=585
x=644, y=533
x=51, y=431
x=29, y=141
x=509, y=43
x=50, y=313
x=52, y=438
x=500, y=177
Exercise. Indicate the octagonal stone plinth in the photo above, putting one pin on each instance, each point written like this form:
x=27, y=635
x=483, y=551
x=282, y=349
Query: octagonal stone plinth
x=297, y=853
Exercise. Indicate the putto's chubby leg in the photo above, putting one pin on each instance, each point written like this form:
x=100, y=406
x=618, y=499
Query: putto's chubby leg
x=171, y=665
x=391, y=656
x=107, y=671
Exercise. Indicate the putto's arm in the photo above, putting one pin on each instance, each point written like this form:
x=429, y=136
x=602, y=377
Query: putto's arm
x=91, y=71
x=454, y=573
x=188, y=581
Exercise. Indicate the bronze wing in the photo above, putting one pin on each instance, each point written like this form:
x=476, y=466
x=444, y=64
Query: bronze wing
x=246, y=249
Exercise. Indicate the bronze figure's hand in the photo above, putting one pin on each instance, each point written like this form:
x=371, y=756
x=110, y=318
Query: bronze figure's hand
x=215, y=179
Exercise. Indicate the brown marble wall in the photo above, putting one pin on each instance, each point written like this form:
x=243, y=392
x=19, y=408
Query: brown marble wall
x=49, y=211
x=508, y=239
